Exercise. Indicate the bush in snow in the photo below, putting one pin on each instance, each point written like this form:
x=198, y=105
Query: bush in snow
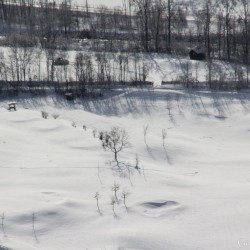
x=55, y=116
x=45, y=114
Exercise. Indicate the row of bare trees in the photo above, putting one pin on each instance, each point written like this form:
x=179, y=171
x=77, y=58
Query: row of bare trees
x=34, y=64
x=222, y=26
x=46, y=19
x=38, y=32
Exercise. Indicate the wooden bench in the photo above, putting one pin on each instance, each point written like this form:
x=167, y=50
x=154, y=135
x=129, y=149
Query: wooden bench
x=12, y=105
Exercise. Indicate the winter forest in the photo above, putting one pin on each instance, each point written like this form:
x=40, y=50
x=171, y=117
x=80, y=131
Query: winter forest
x=80, y=44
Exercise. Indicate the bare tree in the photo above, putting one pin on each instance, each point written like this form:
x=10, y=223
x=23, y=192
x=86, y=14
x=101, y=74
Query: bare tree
x=157, y=22
x=65, y=16
x=209, y=72
x=3, y=67
x=207, y=9
x=228, y=7
x=245, y=16
x=144, y=7
x=115, y=140
x=170, y=5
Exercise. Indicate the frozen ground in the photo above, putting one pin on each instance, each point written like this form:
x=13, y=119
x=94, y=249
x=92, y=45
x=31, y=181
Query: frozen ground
x=194, y=194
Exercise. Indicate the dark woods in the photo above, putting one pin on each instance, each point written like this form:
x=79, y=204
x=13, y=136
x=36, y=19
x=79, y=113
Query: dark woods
x=41, y=32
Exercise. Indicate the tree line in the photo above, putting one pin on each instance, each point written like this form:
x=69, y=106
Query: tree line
x=221, y=26
x=161, y=26
x=27, y=68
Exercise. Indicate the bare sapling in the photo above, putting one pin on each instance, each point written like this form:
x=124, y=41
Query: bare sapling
x=178, y=98
x=115, y=188
x=145, y=132
x=97, y=198
x=98, y=173
x=169, y=105
x=2, y=223
x=33, y=225
x=164, y=136
x=137, y=162
x=112, y=203
x=124, y=196
x=33, y=220
x=94, y=133
x=129, y=169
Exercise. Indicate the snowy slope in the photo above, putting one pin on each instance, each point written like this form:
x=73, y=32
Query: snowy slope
x=161, y=67
x=193, y=195
x=110, y=3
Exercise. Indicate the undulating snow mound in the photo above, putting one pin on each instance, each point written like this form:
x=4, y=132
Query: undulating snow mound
x=188, y=191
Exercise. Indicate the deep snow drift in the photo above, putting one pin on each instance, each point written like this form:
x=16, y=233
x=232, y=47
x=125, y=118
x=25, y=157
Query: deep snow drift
x=191, y=194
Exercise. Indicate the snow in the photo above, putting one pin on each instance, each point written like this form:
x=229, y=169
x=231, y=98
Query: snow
x=96, y=3
x=161, y=67
x=194, y=194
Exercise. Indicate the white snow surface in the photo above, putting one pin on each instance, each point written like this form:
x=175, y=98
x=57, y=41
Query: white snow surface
x=194, y=194
x=96, y=3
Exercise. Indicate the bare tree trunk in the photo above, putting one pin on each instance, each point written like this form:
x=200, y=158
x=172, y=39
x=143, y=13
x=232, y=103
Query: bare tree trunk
x=169, y=7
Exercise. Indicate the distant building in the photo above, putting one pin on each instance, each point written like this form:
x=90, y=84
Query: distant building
x=197, y=53
x=60, y=62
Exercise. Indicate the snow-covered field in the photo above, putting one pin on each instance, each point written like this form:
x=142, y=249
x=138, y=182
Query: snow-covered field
x=192, y=194
x=109, y=3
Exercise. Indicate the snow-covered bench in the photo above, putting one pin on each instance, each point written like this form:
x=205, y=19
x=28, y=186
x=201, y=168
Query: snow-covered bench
x=12, y=105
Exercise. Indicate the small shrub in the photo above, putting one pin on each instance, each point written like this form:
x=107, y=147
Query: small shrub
x=101, y=136
x=45, y=114
x=55, y=116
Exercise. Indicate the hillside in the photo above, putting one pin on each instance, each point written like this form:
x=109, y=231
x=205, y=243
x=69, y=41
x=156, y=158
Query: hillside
x=191, y=194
